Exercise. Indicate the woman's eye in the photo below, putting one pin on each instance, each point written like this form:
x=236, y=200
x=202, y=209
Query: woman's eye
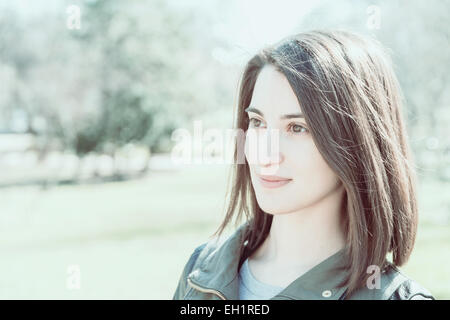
x=296, y=128
x=254, y=122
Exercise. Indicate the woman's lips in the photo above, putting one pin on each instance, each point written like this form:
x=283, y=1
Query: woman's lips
x=273, y=181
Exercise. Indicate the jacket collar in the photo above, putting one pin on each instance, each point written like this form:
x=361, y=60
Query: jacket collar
x=218, y=265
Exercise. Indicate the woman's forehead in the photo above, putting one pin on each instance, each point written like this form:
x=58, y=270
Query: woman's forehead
x=273, y=95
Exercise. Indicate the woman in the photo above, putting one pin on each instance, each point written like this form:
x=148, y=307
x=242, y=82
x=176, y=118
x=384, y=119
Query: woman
x=336, y=197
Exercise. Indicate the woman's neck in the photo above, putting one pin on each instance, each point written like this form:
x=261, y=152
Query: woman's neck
x=304, y=238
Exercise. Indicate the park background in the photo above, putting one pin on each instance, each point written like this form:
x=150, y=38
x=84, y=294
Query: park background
x=88, y=188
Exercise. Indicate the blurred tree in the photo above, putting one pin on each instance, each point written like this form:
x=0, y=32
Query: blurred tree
x=131, y=62
x=128, y=75
x=15, y=63
x=132, y=73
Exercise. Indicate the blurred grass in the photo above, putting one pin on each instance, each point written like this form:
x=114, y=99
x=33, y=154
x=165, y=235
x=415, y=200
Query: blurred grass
x=132, y=239
x=429, y=263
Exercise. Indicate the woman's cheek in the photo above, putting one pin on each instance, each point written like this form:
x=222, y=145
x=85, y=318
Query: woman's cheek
x=315, y=171
x=299, y=155
x=306, y=165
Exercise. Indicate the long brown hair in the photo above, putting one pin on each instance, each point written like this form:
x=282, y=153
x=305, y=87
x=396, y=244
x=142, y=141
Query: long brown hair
x=353, y=104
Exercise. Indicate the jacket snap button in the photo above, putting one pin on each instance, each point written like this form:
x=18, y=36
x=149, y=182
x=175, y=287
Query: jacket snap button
x=326, y=293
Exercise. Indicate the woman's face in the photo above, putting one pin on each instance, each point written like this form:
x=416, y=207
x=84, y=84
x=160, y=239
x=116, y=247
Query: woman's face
x=294, y=155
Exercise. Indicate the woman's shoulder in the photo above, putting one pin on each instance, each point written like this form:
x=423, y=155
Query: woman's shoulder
x=215, y=252
x=181, y=288
x=409, y=289
x=393, y=285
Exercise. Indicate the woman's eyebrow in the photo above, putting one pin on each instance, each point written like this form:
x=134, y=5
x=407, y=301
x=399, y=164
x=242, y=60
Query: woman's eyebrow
x=286, y=116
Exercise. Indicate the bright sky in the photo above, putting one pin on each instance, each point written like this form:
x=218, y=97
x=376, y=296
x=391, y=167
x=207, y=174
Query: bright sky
x=256, y=23
x=246, y=25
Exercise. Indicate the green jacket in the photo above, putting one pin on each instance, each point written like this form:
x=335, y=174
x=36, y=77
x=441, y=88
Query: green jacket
x=211, y=273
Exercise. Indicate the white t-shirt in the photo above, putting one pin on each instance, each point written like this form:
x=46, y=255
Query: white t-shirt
x=252, y=289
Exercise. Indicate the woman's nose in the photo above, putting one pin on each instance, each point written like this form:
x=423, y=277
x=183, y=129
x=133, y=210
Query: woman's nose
x=264, y=150
x=269, y=163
